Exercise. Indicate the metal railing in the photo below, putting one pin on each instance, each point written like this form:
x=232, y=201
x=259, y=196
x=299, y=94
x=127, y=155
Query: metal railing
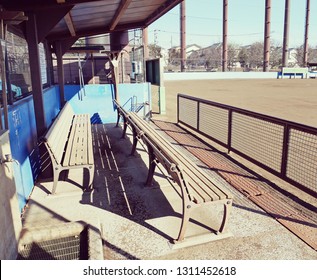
x=284, y=148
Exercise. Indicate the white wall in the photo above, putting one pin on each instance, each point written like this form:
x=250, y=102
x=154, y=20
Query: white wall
x=10, y=221
x=218, y=75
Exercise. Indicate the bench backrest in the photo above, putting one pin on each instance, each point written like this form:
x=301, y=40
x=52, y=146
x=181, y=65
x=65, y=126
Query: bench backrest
x=57, y=135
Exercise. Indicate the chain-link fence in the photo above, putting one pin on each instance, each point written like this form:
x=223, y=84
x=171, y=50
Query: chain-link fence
x=18, y=74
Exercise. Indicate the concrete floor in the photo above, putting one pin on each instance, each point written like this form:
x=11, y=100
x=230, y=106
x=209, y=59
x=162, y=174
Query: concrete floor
x=137, y=222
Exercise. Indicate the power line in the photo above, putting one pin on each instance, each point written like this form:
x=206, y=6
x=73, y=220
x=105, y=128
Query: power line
x=208, y=35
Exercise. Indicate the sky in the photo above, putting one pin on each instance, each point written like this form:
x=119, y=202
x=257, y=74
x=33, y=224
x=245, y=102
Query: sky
x=245, y=23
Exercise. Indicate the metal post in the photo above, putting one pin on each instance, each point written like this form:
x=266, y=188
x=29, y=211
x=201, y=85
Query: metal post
x=286, y=33
x=305, y=58
x=35, y=69
x=229, y=137
x=92, y=67
x=198, y=115
x=3, y=77
x=146, y=43
x=267, y=31
x=286, y=135
x=183, y=35
x=225, y=37
x=60, y=72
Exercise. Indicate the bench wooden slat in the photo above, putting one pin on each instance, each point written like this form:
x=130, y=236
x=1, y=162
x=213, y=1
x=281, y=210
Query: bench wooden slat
x=69, y=143
x=197, y=187
x=58, y=133
x=203, y=186
x=82, y=158
x=201, y=189
x=77, y=136
x=69, y=151
x=77, y=157
x=89, y=142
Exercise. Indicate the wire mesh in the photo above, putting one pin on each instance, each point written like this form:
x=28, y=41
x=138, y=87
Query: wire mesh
x=67, y=248
x=286, y=149
x=302, y=158
x=188, y=112
x=258, y=139
x=213, y=121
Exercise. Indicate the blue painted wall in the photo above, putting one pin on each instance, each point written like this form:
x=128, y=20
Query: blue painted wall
x=23, y=140
x=97, y=99
x=23, y=136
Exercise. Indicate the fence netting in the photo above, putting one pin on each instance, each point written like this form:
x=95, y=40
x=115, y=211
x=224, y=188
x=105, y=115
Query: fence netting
x=287, y=149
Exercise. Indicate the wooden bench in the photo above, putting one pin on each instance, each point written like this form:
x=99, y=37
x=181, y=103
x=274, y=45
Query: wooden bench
x=294, y=71
x=197, y=188
x=69, y=143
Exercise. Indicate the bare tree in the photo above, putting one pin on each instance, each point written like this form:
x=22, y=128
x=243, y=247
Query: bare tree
x=312, y=55
x=154, y=51
x=174, y=55
x=275, y=55
x=255, y=54
x=233, y=52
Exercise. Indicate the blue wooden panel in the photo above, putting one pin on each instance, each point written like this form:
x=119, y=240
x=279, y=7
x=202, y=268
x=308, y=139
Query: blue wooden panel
x=23, y=140
x=23, y=136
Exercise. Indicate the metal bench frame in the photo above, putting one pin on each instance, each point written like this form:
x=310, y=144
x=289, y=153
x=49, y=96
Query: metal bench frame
x=69, y=144
x=197, y=188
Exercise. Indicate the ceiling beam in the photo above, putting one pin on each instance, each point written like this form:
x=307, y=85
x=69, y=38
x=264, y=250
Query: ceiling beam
x=65, y=44
x=12, y=17
x=124, y=4
x=47, y=20
x=95, y=31
x=70, y=25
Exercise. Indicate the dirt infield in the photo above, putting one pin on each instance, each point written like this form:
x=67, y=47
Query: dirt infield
x=289, y=99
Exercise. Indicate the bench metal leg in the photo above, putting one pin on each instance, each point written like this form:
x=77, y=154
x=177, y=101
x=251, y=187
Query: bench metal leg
x=125, y=126
x=118, y=118
x=186, y=208
x=135, y=141
x=91, y=175
x=152, y=165
x=56, y=172
x=185, y=221
x=227, y=209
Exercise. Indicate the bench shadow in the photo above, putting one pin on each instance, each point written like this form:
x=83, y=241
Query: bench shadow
x=119, y=182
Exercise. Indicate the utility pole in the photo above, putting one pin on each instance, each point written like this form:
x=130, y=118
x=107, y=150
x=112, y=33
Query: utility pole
x=305, y=59
x=267, y=31
x=183, y=35
x=286, y=33
x=225, y=37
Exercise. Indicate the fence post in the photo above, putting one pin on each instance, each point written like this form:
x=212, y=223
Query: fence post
x=229, y=130
x=198, y=115
x=177, y=108
x=285, y=151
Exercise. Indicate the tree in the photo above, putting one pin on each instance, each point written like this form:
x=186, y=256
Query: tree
x=243, y=57
x=312, y=55
x=174, y=55
x=275, y=55
x=154, y=51
x=233, y=50
x=255, y=55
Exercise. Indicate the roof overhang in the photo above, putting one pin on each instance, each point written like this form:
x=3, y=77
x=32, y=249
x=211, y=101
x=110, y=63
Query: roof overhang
x=59, y=20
